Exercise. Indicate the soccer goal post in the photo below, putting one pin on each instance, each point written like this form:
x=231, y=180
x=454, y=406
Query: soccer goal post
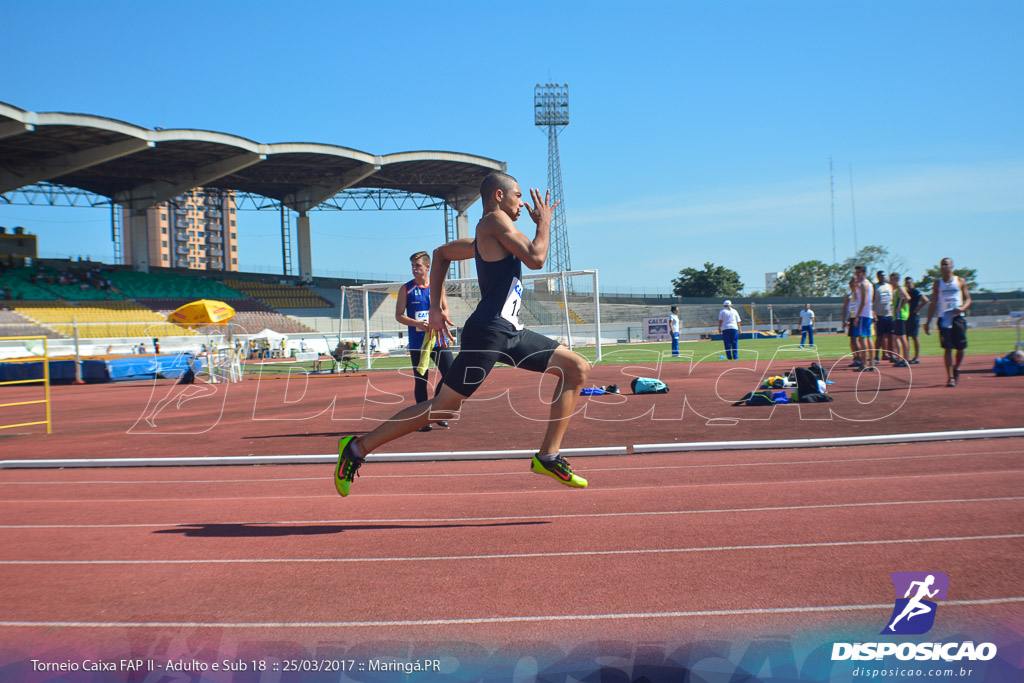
x=563, y=306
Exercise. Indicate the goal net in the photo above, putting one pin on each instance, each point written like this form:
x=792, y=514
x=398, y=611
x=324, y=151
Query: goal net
x=562, y=306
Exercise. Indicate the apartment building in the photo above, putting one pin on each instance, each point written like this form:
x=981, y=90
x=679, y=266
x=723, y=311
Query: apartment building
x=197, y=230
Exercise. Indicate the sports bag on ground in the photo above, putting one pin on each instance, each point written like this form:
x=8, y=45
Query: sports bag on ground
x=647, y=385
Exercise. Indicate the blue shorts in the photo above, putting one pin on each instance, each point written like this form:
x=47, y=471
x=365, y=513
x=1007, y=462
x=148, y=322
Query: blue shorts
x=884, y=324
x=863, y=327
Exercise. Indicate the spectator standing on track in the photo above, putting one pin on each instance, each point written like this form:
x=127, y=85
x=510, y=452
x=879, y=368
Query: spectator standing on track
x=951, y=298
x=492, y=333
x=412, y=309
x=729, y=328
x=673, y=328
x=850, y=320
x=882, y=304
x=918, y=300
x=864, y=295
x=900, y=313
x=807, y=326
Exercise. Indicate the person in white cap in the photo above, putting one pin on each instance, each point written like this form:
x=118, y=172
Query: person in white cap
x=729, y=328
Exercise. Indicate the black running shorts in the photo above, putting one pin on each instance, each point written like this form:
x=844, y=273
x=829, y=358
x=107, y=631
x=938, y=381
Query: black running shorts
x=954, y=337
x=481, y=348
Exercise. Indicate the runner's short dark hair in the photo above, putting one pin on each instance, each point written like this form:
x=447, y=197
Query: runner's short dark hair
x=496, y=181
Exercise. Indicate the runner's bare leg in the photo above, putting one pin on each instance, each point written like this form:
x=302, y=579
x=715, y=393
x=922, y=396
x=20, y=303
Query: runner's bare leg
x=572, y=372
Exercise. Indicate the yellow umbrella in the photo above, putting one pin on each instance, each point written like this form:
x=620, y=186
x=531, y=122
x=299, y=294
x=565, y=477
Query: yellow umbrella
x=201, y=313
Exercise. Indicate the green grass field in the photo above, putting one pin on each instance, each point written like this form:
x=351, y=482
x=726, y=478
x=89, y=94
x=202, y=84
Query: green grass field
x=989, y=342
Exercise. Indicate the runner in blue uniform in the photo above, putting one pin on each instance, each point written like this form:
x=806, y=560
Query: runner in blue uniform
x=412, y=308
x=493, y=333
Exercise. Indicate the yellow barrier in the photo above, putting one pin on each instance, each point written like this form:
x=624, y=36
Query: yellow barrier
x=46, y=386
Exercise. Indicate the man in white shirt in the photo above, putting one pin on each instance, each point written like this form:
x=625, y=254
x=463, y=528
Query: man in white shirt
x=864, y=295
x=950, y=298
x=729, y=328
x=673, y=328
x=883, y=317
x=807, y=326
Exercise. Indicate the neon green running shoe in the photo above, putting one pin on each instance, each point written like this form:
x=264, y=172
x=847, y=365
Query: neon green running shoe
x=348, y=465
x=559, y=470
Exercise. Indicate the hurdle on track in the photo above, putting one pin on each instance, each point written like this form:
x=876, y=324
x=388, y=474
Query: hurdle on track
x=45, y=381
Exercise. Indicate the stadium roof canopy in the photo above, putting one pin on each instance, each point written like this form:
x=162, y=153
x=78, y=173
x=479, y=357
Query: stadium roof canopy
x=138, y=167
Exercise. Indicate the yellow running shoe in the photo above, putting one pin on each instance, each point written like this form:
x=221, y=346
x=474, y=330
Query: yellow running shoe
x=348, y=465
x=559, y=470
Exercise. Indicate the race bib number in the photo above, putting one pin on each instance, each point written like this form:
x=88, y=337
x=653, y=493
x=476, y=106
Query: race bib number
x=513, y=304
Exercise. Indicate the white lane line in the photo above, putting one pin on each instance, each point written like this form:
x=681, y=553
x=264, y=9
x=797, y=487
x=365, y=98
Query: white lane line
x=516, y=472
x=492, y=620
x=876, y=439
x=559, y=491
x=511, y=518
x=516, y=556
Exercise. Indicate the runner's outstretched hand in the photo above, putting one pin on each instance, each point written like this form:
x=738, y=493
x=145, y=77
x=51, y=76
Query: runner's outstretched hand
x=540, y=211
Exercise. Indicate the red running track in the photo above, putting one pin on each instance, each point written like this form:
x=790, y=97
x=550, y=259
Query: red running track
x=301, y=415
x=659, y=548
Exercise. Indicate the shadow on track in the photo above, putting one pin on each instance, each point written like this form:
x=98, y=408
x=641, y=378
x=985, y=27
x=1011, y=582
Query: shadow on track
x=269, y=531
x=304, y=434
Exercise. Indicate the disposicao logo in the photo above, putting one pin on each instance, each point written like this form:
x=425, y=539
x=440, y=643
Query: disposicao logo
x=916, y=595
x=914, y=614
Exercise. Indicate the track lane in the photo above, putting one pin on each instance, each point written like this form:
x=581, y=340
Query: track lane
x=411, y=591
x=706, y=510
x=455, y=537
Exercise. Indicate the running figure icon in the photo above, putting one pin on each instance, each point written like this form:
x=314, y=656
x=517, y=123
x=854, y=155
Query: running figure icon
x=915, y=607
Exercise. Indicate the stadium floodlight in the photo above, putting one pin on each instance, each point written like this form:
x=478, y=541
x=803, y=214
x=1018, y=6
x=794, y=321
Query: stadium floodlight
x=551, y=105
x=551, y=110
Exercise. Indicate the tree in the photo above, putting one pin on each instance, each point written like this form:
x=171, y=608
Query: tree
x=874, y=258
x=934, y=273
x=713, y=281
x=812, y=279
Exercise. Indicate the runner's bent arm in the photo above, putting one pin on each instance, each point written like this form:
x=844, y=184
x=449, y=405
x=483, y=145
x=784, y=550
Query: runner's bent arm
x=922, y=303
x=400, y=315
x=966, y=295
x=533, y=253
x=931, y=306
x=456, y=250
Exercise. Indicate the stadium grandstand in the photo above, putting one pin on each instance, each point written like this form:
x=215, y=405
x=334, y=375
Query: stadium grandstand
x=112, y=163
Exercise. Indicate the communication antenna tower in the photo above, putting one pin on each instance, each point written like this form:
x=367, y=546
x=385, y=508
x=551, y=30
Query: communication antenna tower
x=853, y=211
x=832, y=195
x=551, y=109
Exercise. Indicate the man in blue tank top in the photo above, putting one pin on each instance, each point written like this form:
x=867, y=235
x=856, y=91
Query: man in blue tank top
x=492, y=333
x=412, y=309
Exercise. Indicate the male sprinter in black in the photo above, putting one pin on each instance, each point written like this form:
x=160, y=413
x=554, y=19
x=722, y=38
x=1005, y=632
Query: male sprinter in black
x=492, y=333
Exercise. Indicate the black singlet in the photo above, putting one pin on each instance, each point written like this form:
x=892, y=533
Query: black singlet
x=501, y=294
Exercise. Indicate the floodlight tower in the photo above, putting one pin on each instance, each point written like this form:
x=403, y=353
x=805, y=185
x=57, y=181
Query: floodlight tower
x=551, y=109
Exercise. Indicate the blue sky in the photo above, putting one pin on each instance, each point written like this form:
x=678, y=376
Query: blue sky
x=700, y=131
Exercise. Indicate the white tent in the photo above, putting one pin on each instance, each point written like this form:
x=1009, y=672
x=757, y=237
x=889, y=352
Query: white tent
x=269, y=335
